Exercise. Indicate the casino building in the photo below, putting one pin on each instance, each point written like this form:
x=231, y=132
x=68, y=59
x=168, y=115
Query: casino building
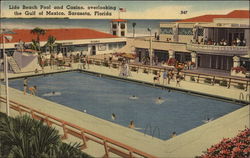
x=73, y=40
x=211, y=41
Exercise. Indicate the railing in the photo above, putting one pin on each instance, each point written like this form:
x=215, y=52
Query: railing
x=232, y=49
x=110, y=145
x=226, y=81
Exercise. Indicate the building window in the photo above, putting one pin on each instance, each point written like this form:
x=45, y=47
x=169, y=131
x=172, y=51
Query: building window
x=112, y=46
x=200, y=32
x=166, y=30
x=185, y=31
x=114, y=26
x=77, y=48
x=122, y=26
x=122, y=33
x=102, y=47
x=121, y=44
x=114, y=32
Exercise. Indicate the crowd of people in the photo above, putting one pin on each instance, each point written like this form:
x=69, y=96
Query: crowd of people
x=222, y=42
x=235, y=147
x=167, y=76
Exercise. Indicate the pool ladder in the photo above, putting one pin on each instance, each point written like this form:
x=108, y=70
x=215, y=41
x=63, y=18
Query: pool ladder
x=241, y=97
x=152, y=133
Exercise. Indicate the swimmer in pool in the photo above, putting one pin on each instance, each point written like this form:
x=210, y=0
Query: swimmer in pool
x=131, y=124
x=52, y=94
x=207, y=120
x=159, y=100
x=133, y=97
x=113, y=116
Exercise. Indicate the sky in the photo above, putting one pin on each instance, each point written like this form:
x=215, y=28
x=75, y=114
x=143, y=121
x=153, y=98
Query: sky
x=134, y=9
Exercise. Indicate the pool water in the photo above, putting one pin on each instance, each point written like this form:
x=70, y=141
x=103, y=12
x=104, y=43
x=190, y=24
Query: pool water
x=99, y=96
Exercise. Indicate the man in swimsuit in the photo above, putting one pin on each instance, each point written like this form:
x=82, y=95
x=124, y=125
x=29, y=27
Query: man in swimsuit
x=131, y=124
x=33, y=90
x=25, y=85
x=164, y=76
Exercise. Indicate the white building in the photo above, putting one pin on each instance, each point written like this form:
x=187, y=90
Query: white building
x=73, y=40
x=211, y=41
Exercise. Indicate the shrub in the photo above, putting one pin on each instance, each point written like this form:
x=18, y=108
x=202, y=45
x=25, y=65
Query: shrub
x=25, y=137
x=208, y=80
x=115, y=66
x=145, y=71
x=240, y=86
x=223, y=83
x=105, y=63
x=239, y=69
x=171, y=61
x=216, y=81
x=97, y=63
x=192, y=79
x=133, y=69
x=235, y=147
x=155, y=72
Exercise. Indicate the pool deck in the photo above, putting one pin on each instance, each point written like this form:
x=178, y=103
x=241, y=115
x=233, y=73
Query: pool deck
x=188, y=144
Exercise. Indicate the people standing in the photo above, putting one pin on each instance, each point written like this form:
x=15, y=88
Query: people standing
x=25, y=85
x=169, y=76
x=173, y=135
x=178, y=80
x=33, y=90
x=131, y=124
x=164, y=76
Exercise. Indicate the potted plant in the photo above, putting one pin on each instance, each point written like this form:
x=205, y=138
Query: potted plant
x=238, y=71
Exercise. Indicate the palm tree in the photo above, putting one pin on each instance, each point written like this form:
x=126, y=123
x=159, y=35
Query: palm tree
x=133, y=25
x=28, y=137
x=24, y=137
x=51, y=43
x=38, y=31
x=35, y=45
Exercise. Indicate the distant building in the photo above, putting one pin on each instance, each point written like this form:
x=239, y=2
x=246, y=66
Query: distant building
x=211, y=41
x=118, y=27
x=72, y=40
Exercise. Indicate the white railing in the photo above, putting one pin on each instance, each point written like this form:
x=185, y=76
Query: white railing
x=201, y=47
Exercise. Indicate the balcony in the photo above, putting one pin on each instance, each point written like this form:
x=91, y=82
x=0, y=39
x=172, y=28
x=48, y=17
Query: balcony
x=223, y=50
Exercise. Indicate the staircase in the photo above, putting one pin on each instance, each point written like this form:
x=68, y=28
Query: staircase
x=14, y=65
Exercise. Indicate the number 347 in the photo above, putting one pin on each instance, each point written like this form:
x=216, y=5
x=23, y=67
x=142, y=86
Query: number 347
x=184, y=12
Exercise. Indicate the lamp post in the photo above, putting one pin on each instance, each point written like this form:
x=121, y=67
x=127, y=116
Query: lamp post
x=3, y=32
x=150, y=47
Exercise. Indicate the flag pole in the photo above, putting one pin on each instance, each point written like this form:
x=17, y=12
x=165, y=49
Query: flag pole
x=119, y=12
x=6, y=78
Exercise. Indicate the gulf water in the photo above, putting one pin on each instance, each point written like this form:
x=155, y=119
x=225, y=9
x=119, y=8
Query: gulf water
x=103, y=25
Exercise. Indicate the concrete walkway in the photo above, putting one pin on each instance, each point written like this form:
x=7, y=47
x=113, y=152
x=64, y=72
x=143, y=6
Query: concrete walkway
x=188, y=144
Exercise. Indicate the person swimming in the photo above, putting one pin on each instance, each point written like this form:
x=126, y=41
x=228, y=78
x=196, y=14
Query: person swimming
x=133, y=97
x=113, y=116
x=207, y=120
x=52, y=94
x=159, y=100
x=131, y=124
x=173, y=135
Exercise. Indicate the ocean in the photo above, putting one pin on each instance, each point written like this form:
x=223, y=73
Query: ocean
x=102, y=25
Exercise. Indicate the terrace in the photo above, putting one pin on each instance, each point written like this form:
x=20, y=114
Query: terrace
x=216, y=49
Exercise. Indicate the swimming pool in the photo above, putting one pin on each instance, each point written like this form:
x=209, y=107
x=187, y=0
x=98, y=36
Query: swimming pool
x=101, y=96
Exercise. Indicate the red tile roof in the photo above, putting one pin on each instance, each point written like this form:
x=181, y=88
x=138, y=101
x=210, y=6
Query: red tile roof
x=25, y=35
x=210, y=18
x=203, y=18
x=239, y=14
x=118, y=20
